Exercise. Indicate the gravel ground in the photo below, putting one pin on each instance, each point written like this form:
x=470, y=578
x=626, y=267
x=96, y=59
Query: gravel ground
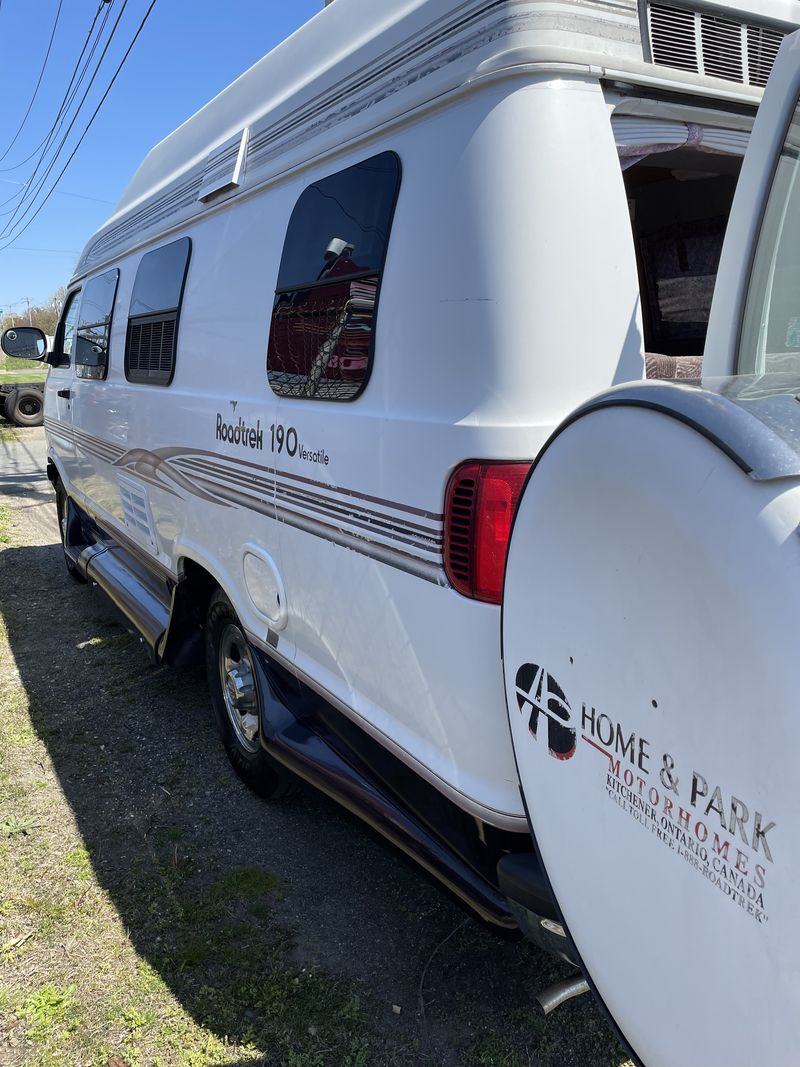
x=122, y=766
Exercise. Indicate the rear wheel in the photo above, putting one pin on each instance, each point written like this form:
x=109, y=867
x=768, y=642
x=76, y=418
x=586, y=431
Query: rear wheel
x=62, y=509
x=25, y=407
x=234, y=693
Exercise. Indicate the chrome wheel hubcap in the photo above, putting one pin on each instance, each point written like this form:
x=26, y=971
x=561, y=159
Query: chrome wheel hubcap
x=239, y=686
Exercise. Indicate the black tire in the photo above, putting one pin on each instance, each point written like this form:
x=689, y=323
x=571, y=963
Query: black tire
x=61, y=510
x=227, y=650
x=2, y=405
x=25, y=407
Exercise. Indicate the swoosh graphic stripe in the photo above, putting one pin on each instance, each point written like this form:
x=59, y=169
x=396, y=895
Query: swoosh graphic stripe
x=173, y=453
x=300, y=492
x=395, y=557
x=381, y=523
x=280, y=510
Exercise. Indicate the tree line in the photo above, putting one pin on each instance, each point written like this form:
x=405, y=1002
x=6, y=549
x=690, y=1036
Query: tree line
x=45, y=315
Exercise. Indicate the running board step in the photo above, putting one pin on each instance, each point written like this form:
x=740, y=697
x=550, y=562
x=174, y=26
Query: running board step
x=290, y=738
x=143, y=599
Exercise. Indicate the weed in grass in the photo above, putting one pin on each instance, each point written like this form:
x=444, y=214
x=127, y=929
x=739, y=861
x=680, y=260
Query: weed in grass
x=17, y=826
x=78, y=860
x=135, y=1019
x=9, y=433
x=47, y=1010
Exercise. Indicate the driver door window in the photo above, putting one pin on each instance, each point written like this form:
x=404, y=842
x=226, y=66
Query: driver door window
x=59, y=389
x=65, y=335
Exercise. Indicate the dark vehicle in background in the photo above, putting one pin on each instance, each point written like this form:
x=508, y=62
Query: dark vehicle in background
x=22, y=403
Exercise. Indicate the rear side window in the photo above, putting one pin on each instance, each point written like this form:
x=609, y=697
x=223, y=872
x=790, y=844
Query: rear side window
x=323, y=319
x=94, y=325
x=153, y=316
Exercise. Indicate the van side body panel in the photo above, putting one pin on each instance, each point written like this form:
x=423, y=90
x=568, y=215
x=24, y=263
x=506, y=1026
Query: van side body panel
x=478, y=354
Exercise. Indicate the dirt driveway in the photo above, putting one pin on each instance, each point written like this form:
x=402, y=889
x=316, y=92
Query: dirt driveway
x=154, y=913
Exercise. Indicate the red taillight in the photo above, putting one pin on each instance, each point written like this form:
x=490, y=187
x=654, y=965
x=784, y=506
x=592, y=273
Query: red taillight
x=479, y=509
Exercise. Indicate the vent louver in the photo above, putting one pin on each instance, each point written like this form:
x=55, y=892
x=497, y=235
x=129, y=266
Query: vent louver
x=708, y=44
x=459, y=532
x=134, y=508
x=150, y=351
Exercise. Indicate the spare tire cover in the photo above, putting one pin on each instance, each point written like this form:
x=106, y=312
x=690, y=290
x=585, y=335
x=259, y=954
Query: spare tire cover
x=651, y=625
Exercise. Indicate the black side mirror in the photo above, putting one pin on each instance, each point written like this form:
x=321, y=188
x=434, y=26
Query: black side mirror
x=24, y=342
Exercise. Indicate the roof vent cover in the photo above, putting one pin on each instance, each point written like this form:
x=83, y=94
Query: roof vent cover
x=709, y=44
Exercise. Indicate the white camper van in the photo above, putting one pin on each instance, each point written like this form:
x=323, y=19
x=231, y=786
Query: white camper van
x=297, y=391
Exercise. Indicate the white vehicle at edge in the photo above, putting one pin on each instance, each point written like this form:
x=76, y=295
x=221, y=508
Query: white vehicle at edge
x=318, y=411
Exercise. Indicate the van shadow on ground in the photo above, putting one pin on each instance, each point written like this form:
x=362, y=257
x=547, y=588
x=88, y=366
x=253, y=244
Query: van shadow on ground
x=228, y=898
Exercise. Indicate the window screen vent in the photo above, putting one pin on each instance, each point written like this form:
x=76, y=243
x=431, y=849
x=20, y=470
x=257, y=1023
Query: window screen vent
x=716, y=47
x=151, y=350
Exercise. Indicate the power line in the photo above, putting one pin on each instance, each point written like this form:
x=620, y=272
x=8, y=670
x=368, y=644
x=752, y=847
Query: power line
x=88, y=127
x=38, y=83
x=27, y=195
x=63, y=192
x=55, y=251
x=70, y=93
x=66, y=102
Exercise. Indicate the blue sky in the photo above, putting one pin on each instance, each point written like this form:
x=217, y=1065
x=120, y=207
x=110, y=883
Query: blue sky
x=187, y=52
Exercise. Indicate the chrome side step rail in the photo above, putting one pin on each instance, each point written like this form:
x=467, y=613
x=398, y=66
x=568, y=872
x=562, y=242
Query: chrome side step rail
x=143, y=598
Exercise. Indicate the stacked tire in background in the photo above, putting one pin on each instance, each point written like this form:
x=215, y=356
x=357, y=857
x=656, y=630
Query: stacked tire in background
x=22, y=404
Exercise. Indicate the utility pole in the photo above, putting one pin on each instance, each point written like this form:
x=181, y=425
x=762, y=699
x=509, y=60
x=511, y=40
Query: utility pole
x=27, y=300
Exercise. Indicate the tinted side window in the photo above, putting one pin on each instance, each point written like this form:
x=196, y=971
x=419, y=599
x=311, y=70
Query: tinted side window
x=65, y=334
x=323, y=318
x=94, y=325
x=153, y=316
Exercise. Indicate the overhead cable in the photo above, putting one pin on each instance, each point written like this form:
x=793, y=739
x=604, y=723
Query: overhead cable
x=70, y=93
x=38, y=83
x=86, y=130
x=30, y=192
x=19, y=198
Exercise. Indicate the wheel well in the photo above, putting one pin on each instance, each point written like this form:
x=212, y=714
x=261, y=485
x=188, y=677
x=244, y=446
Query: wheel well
x=184, y=640
x=199, y=586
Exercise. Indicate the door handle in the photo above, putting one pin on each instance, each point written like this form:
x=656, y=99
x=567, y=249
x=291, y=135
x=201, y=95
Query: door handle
x=66, y=393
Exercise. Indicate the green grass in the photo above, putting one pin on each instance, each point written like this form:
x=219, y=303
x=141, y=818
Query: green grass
x=36, y=375
x=5, y=520
x=9, y=363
